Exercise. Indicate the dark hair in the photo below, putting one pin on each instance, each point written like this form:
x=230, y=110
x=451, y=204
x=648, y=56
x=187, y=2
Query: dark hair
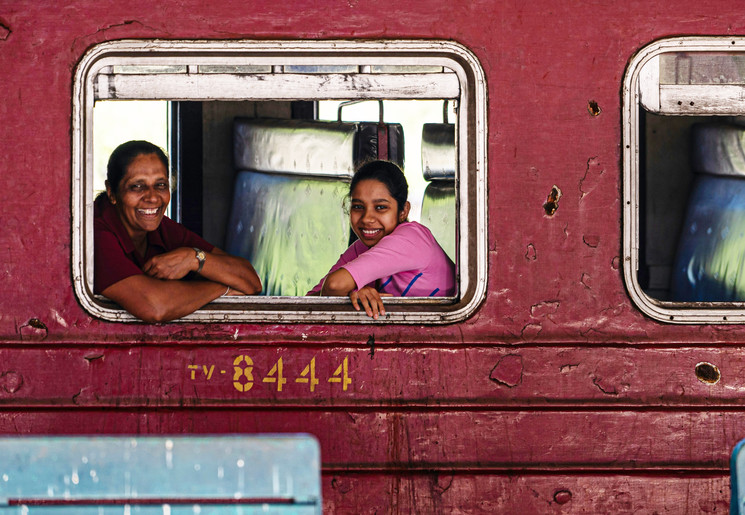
x=124, y=154
x=389, y=174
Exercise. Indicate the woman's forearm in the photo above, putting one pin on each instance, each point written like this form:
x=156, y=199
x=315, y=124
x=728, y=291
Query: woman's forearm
x=233, y=271
x=157, y=300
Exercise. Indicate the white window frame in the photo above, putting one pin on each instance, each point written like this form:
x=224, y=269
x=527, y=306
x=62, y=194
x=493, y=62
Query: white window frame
x=641, y=87
x=96, y=77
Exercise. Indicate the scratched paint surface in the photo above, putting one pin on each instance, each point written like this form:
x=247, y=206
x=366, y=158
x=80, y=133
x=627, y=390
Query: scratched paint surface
x=558, y=395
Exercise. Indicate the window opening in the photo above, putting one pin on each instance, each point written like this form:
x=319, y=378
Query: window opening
x=202, y=87
x=684, y=174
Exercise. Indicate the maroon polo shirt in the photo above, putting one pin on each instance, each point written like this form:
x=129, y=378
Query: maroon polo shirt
x=115, y=257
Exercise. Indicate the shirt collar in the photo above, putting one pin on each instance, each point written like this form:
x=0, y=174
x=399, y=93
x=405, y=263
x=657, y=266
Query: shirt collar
x=111, y=217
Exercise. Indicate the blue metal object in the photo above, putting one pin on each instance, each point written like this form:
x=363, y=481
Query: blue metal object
x=163, y=474
x=737, y=480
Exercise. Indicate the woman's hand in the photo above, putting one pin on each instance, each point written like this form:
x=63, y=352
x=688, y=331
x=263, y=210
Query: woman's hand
x=370, y=300
x=172, y=265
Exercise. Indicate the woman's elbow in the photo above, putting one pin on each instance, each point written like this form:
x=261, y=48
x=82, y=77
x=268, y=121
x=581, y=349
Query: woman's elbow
x=252, y=285
x=155, y=315
x=334, y=286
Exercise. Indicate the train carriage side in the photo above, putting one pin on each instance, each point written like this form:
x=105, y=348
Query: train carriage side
x=591, y=360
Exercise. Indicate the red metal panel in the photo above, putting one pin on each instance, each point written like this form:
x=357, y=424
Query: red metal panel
x=467, y=377
x=551, y=398
x=449, y=493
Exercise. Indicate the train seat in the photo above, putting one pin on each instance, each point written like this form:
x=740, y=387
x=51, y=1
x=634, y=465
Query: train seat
x=102, y=474
x=710, y=261
x=287, y=214
x=439, y=167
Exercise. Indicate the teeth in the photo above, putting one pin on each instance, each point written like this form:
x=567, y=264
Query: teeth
x=149, y=211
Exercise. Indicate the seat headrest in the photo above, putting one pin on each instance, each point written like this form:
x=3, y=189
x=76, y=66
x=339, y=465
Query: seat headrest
x=438, y=151
x=294, y=147
x=717, y=149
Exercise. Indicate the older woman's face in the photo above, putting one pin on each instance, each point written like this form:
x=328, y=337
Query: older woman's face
x=142, y=196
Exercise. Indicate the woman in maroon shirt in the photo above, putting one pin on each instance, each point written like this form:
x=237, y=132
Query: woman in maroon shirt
x=141, y=256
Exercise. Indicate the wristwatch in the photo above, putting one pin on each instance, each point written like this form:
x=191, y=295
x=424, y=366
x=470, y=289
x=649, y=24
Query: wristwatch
x=200, y=257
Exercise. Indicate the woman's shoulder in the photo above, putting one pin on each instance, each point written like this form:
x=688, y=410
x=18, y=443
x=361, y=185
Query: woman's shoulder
x=413, y=230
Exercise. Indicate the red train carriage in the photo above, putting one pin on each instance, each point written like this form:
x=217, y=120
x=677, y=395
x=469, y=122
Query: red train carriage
x=579, y=161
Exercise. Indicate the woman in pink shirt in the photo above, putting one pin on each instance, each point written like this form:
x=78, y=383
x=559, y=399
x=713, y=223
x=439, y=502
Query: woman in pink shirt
x=392, y=257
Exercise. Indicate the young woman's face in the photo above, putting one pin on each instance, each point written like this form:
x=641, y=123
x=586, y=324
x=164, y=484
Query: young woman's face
x=143, y=195
x=373, y=212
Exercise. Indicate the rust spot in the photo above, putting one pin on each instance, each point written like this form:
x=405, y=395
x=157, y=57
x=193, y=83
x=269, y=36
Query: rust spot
x=552, y=201
x=508, y=371
x=562, y=496
x=593, y=108
x=11, y=381
x=36, y=323
x=708, y=373
x=371, y=344
x=530, y=253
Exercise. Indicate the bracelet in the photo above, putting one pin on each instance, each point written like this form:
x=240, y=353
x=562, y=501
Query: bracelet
x=226, y=292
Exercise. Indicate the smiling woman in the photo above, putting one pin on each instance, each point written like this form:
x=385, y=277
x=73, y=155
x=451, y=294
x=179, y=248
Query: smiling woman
x=150, y=265
x=392, y=257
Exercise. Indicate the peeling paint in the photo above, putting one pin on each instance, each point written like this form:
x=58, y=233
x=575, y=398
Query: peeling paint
x=11, y=381
x=371, y=344
x=531, y=331
x=568, y=368
x=4, y=32
x=608, y=390
x=545, y=308
x=591, y=178
x=591, y=240
x=58, y=318
x=508, y=371
x=585, y=280
x=33, y=329
x=530, y=252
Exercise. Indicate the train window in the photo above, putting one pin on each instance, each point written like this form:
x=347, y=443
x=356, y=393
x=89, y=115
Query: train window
x=263, y=138
x=684, y=180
